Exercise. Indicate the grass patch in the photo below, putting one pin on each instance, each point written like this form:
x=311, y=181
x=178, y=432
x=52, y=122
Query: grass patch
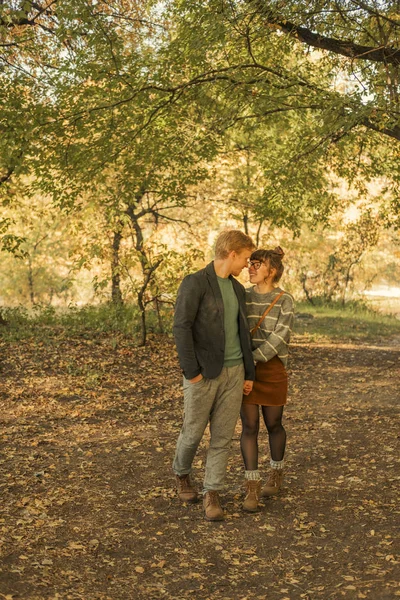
x=45, y=323
x=355, y=321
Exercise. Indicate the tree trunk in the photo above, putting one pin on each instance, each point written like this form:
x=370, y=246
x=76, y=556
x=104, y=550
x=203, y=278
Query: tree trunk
x=258, y=234
x=143, y=326
x=246, y=223
x=139, y=246
x=303, y=279
x=347, y=281
x=116, y=294
x=146, y=267
x=30, y=281
x=160, y=323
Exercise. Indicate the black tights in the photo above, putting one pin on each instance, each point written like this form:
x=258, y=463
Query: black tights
x=272, y=416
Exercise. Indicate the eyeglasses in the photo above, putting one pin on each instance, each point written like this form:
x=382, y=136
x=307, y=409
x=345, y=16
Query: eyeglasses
x=256, y=264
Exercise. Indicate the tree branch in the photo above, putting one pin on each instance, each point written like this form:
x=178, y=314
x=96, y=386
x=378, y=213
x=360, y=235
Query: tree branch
x=7, y=176
x=385, y=54
x=393, y=132
x=374, y=12
x=18, y=22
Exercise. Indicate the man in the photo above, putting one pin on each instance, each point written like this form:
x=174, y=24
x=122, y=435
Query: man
x=214, y=348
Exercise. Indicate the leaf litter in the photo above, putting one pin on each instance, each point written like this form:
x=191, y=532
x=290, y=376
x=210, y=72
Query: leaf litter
x=89, y=509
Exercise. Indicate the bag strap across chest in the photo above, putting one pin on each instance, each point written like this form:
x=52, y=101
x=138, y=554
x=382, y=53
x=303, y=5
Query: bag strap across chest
x=266, y=311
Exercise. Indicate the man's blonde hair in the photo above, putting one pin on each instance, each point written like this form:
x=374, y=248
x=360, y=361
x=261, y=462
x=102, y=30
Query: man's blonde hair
x=232, y=239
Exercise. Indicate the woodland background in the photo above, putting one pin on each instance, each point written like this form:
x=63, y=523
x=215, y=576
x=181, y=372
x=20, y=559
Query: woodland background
x=131, y=133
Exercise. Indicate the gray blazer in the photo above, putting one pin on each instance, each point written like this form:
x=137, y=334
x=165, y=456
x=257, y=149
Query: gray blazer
x=199, y=326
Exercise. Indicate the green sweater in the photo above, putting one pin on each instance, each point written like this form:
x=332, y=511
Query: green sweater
x=233, y=352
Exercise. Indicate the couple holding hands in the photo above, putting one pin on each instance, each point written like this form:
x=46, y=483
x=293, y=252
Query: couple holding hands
x=232, y=346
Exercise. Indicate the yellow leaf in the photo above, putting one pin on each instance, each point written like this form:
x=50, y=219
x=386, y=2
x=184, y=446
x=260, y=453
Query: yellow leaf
x=139, y=569
x=75, y=546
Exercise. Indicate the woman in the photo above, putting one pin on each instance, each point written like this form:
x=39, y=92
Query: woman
x=270, y=316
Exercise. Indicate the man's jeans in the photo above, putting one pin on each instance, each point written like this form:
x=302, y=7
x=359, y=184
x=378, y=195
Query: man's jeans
x=218, y=401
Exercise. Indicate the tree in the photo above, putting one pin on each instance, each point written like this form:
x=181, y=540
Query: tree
x=323, y=262
x=372, y=47
x=127, y=106
x=38, y=269
x=141, y=189
x=141, y=63
x=259, y=56
x=260, y=185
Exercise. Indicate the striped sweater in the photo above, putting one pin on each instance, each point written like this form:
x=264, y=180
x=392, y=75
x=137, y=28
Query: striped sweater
x=273, y=336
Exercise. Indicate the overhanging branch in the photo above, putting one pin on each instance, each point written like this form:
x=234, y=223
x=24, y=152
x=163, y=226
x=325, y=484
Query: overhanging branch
x=393, y=132
x=25, y=20
x=384, y=54
x=7, y=176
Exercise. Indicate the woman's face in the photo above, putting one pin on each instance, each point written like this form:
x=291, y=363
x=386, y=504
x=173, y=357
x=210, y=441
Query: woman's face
x=260, y=272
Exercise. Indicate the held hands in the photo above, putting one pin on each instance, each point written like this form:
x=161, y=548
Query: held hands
x=247, y=387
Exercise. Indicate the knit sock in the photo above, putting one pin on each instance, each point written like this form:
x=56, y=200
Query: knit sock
x=252, y=475
x=277, y=464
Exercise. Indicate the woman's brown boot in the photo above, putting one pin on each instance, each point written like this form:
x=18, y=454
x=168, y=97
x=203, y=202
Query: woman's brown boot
x=253, y=488
x=274, y=483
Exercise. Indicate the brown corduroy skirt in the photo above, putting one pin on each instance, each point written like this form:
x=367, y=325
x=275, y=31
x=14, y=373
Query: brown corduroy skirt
x=271, y=384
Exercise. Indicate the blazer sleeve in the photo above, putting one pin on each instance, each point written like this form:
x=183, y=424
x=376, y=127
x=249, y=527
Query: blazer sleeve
x=186, y=307
x=245, y=338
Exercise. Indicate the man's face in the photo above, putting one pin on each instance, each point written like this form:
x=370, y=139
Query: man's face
x=240, y=260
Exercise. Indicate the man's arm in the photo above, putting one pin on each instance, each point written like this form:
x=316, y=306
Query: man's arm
x=186, y=307
x=245, y=339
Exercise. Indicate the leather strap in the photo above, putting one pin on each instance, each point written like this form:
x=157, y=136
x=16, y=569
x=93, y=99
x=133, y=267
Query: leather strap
x=252, y=331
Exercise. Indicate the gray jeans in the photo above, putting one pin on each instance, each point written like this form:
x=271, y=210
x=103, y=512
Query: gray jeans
x=218, y=401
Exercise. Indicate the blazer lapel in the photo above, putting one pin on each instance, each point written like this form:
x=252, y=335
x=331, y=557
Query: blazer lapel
x=212, y=278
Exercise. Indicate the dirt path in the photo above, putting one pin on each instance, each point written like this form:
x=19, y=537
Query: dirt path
x=88, y=507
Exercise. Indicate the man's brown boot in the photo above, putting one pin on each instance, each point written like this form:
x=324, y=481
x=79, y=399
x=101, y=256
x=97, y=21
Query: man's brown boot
x=253, y=489
x=212, y=507
x=186, y=491
x=274, y=482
